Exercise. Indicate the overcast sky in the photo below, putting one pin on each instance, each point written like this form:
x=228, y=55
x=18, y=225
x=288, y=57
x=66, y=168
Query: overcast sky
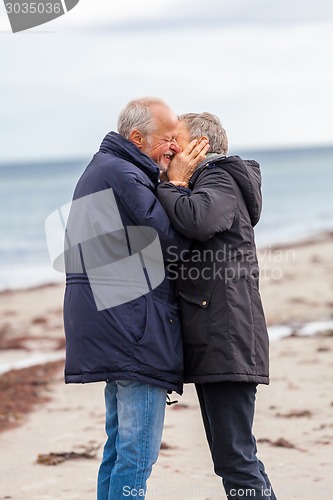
x=265, y=68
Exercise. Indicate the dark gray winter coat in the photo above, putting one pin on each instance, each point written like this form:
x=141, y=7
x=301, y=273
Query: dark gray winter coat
x=223, y=324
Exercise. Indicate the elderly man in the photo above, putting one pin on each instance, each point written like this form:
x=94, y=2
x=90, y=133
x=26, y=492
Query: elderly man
x=135, y=347
x=223, y=325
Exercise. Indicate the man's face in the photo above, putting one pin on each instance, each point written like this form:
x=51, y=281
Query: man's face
x=161, y=145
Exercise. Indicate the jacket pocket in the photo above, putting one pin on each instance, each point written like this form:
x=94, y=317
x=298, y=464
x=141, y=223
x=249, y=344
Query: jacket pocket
x=194, y=318
x=161, y=346
x=136, y=319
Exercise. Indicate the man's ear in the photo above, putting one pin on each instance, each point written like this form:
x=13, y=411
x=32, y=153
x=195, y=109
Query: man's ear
x=137, y=138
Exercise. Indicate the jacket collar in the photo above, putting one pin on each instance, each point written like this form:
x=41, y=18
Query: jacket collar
x=123, y=148
x=211, y=158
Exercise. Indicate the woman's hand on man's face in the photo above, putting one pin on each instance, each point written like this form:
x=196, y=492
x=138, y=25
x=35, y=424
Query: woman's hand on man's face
x=184, y=163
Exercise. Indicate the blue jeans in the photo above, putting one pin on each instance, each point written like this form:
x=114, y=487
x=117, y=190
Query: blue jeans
x=134, y=424
x=227, y=410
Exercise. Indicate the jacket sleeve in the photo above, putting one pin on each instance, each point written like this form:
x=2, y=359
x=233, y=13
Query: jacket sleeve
x=144, y=209
x=208, y=209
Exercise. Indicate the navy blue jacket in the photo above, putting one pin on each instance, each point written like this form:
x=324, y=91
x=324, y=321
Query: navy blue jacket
x=140, y=339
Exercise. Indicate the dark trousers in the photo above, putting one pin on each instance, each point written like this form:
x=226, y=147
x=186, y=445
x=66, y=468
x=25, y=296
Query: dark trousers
x=227, y=410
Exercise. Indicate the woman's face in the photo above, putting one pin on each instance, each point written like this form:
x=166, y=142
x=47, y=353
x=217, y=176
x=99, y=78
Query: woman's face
x=183, y=136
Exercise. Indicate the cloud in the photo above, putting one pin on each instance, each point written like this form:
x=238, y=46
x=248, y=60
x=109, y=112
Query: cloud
x=262, y=12
x=185, y=14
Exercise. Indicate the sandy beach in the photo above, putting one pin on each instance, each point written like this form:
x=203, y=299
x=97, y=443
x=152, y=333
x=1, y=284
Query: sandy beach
x=40, y=415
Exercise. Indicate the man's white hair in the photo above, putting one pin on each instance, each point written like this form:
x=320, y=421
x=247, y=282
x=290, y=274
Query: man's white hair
x=137, y=114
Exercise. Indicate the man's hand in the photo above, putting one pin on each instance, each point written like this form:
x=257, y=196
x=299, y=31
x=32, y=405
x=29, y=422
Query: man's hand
x=184, y=164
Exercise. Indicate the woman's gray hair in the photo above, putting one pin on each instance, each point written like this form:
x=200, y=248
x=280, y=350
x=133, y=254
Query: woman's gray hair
x=199, y=124
x=137, y=114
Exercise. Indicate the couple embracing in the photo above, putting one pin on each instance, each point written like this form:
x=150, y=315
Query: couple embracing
x=203, y=324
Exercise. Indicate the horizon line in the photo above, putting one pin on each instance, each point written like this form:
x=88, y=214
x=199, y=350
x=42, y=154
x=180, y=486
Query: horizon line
x=83, y=158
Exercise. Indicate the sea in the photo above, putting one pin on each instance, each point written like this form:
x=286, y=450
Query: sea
x=297, y=191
